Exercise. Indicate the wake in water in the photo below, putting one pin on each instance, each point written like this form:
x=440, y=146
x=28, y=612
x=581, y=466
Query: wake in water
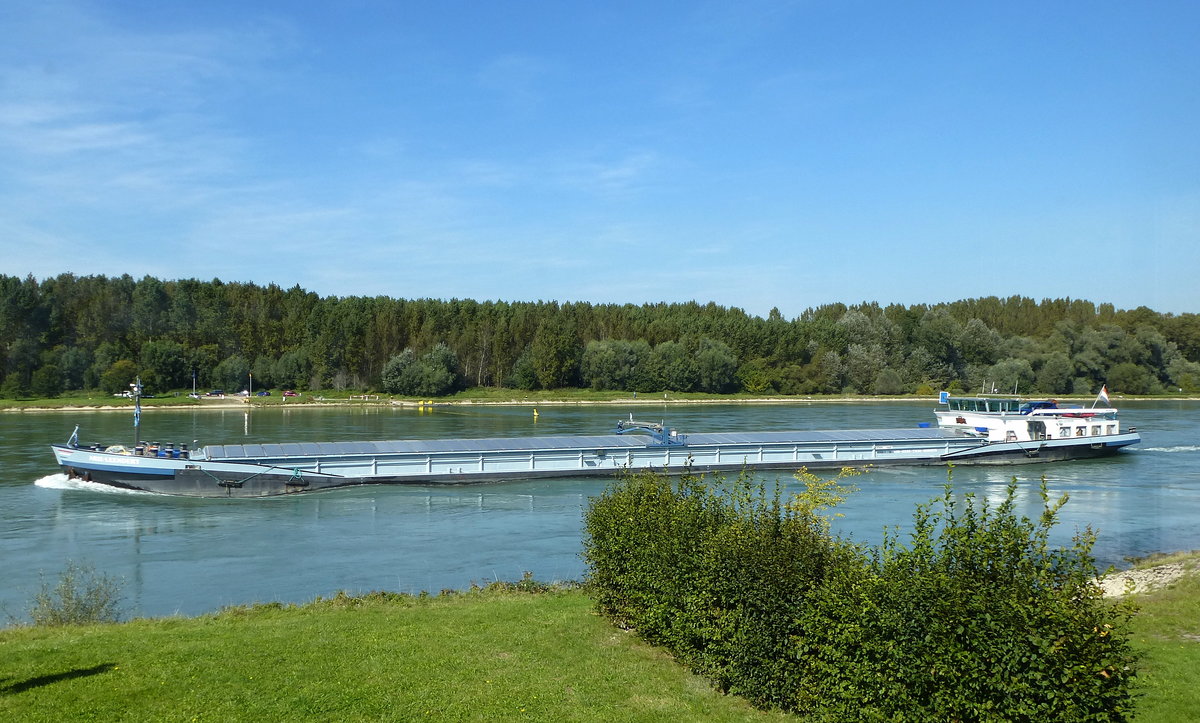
x=60, y=481
x=1178, y=448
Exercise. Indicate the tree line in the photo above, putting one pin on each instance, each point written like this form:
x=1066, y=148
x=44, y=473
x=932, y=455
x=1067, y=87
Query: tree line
x=95, y=332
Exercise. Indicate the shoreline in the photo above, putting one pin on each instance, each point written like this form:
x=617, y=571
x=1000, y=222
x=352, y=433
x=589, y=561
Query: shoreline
x=239, y=403
x=1140, y=580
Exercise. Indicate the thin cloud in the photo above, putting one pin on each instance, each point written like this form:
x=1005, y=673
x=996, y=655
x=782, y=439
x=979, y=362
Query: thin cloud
x=517, y=80
x=626, y=173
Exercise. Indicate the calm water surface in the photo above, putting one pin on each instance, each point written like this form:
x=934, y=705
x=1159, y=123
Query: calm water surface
x=191, y=556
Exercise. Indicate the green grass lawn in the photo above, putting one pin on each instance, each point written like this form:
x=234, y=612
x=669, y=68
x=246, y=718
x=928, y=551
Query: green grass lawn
x=1167, y=632
x=474, y=656
x=482, y=655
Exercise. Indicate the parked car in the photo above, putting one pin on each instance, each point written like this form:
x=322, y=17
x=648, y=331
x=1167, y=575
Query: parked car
x=263, y=393
x=216, y=393
x=290, y=393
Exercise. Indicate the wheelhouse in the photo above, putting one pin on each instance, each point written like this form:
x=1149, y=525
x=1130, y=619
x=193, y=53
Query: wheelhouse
x=991, y=405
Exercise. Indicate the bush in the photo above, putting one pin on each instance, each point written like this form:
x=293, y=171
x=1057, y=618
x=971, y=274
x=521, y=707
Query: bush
x=977, y=618
x=46, y=381
x=117, y=377
x=889, y=382
x=233, y=373
x=80, y=596
x=716, y=575
x=434, y=374
x=14, y=386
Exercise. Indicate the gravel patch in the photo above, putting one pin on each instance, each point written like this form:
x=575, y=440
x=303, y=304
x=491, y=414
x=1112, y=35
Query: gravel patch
x=1138, y=581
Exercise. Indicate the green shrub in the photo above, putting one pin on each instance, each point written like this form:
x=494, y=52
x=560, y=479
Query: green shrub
x=80, y=596
x=760, y=577
x=717, y=575
x=641, y=546
x=976, y=618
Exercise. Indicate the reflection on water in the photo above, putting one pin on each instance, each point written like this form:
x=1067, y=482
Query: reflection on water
x=180, y=555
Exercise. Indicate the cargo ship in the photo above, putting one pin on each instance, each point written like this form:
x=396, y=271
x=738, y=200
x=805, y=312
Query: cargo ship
x=968, y=430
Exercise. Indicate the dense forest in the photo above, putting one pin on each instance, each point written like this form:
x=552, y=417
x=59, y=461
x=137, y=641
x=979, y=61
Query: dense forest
x=95, y=332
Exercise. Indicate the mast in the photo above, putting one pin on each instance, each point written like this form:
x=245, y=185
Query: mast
x=136, y=388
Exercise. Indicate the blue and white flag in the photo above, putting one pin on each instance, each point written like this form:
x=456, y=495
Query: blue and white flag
x=136, y=386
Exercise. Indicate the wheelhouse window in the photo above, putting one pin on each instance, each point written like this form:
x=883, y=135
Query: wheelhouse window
x=983, y=404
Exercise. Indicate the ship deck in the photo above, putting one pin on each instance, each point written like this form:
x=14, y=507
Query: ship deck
x=460, y=460
x=283, y=450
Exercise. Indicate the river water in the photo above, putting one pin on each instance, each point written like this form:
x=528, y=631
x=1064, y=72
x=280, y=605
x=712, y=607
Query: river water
x=188, y=556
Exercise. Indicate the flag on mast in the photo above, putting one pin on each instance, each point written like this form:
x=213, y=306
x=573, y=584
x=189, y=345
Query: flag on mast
x=1103, y=396
x=136, y=390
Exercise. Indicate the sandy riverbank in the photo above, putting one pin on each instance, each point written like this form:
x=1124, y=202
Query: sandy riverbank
x=1135, y=581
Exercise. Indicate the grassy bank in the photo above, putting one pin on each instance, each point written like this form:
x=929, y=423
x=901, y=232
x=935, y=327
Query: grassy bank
x=483, y=655
x=1167, y=632
x=475, y=656
x=476, y=395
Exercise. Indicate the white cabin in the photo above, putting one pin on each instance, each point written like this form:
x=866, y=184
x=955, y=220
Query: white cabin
x=1001, y=419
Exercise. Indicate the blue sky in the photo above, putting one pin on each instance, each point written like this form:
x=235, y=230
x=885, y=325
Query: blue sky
x=754, y=154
